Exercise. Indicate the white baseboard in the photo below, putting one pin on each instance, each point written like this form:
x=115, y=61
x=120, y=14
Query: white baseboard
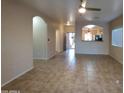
x=17, y=76
x=51, y=56
x=90, y=54
x=40, y=58
x=44, y=58
x=120, y=61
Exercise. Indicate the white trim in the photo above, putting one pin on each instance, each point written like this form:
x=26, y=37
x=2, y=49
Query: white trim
x=51, y=56
x=119, y=46
x=120, y=61
x=17, y=76
x=44, y=58
x=92, y=53
x=40, y=58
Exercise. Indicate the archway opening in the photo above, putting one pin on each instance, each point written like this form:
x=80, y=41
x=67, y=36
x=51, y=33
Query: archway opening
x=39, y=38
x=92, y=33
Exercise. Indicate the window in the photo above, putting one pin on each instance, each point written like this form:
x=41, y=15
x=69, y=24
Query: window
x=117, y=37
x=92, y=33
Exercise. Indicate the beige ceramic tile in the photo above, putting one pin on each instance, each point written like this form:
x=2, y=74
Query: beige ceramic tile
x=67, y=73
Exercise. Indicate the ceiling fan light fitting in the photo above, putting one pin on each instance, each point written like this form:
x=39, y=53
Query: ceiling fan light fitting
x=81, y=10
x=68, y=23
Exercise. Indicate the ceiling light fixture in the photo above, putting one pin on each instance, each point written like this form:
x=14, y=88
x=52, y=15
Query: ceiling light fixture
x=68, y=23
x=90, y=26
x=82, y=10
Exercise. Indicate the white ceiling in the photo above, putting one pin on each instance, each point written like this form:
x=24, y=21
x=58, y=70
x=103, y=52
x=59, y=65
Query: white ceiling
x=67, y=10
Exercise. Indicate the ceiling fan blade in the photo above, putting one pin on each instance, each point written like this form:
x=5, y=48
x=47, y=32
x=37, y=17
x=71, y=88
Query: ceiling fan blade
x=93, y=9
x=81, y=1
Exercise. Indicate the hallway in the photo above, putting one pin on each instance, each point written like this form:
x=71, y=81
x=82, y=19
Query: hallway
x=67, y=73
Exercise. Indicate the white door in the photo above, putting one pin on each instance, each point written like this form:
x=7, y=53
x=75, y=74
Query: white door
x=70, y=40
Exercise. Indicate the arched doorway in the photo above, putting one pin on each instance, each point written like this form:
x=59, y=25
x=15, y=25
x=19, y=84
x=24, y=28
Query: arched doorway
x=39, y=38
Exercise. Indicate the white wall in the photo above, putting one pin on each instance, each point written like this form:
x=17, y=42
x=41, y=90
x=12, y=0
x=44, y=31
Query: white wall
x=92, y=47
x=17, y=38
x=52, y=41
x=58, y=41
x=70, y=28
x=116, y=52
x=62, y=33
x=39, y=38
x=16, y=41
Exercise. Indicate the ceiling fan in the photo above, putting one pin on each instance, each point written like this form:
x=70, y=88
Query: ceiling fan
x=83, y=7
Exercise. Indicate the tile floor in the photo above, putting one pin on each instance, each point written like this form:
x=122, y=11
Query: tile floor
x=67, y=73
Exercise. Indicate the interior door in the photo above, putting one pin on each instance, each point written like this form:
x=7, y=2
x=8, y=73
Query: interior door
x=70, y=40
